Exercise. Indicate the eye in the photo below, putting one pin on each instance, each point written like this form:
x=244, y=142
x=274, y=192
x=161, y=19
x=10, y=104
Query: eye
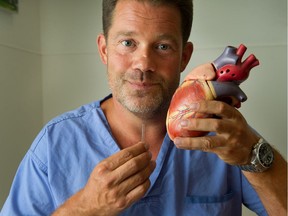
x=127, y=43
x=163, y=46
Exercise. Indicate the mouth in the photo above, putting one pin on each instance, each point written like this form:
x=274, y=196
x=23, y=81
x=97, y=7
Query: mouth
x=141, y=85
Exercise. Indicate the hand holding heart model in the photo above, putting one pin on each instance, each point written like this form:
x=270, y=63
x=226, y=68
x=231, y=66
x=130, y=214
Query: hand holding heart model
x=230, y=72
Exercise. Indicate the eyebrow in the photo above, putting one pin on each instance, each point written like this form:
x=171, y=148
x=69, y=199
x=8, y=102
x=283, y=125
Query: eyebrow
x=167, y=37
x=159, y=36
x=124, y=33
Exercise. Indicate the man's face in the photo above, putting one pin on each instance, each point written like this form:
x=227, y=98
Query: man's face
x=143, y=53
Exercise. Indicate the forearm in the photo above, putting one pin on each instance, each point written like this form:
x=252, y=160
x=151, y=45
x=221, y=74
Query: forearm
x=73, y=206
x=271, y=186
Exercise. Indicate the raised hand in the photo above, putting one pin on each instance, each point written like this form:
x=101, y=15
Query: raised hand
x=233, y=139
x=115, y=184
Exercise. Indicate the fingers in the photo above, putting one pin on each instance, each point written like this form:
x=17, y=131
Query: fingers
x=125, y=155
x=138, y=180
x=131, y=167
x=222, y=117
x=218, y=108
x=233, y=138
x=204, y=72
x=125, y=164
x=120, y=179
x=138, y=192
x=233, y=154
x=206, y=143
x=228, y=123
x=205, y=124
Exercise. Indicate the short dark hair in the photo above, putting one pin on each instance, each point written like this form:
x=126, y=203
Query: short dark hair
x=185, y=7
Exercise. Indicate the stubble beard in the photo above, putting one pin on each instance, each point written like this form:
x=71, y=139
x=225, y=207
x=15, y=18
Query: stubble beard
x=143, y=104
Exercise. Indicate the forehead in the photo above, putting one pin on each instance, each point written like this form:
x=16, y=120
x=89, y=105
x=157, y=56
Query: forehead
x=131, y=14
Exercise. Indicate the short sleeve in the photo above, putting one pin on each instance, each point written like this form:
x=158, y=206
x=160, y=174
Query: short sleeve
x=30, y=193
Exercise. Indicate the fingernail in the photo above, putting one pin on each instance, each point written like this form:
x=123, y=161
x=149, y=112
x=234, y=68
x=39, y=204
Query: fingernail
x=177, y=142
x=150, y=154
x=184, y=123
x=146, y=146
x=194, y=106
x=153, y=164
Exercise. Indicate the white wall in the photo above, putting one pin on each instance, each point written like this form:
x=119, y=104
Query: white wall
x=20, y=87
x=72, y=71
x=73, y=74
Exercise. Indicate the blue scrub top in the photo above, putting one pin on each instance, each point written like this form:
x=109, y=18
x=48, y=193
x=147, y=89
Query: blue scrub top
x=61, y=158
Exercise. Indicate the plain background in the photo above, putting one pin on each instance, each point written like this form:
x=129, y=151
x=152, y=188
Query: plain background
x=49, y=64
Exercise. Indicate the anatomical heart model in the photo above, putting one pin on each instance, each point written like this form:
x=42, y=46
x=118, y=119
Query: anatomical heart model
x=230, y=72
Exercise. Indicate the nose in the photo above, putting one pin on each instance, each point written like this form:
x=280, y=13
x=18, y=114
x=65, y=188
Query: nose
x=144, y=59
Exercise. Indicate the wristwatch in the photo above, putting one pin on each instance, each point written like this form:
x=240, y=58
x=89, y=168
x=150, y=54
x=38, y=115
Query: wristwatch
x=262, y=157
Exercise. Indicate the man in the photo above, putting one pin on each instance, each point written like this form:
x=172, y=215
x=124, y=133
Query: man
x=91, y=161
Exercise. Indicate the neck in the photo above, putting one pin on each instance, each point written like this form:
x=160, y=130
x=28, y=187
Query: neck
x=127, y=127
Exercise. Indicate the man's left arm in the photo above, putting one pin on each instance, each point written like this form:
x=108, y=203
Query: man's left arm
x=271, y=186
x=233, y=142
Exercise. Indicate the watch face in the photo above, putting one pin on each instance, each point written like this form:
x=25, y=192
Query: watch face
x=265, y=155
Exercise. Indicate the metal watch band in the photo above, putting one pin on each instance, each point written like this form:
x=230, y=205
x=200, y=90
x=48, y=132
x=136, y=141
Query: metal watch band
x=255, y=164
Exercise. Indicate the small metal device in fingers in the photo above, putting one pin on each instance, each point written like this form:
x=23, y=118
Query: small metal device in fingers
x=143, y=133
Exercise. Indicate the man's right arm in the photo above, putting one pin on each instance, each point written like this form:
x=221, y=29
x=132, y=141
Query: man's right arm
x=114, y=184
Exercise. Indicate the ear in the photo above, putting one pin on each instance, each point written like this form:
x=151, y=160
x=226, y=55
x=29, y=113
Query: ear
x=186, y=55
x=102, y=48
